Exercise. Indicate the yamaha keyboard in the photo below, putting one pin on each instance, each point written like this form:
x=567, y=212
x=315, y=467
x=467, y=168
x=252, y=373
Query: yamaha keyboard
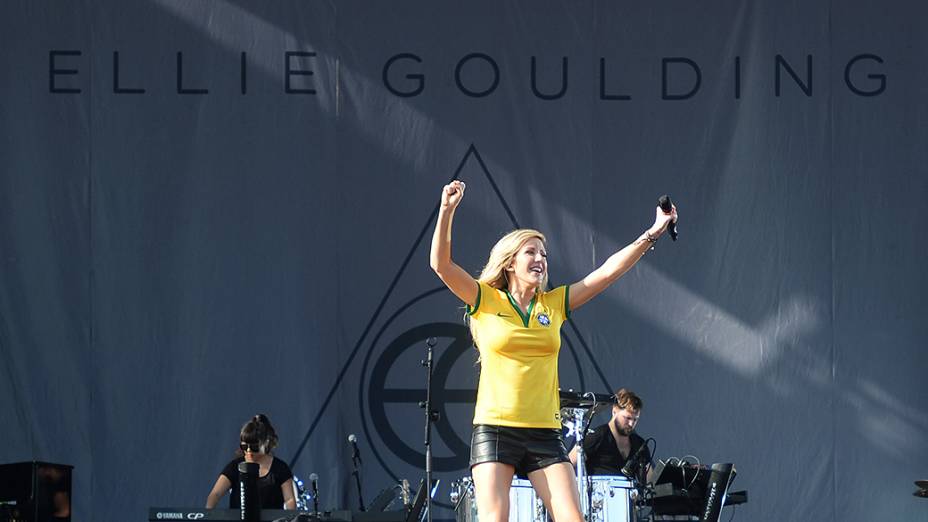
x=160, y=514
x=156, y=514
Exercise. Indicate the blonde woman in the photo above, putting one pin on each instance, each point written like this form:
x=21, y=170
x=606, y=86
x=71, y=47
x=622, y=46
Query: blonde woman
x=515, y=322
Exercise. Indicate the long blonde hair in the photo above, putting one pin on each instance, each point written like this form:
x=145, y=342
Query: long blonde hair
x=502, y=254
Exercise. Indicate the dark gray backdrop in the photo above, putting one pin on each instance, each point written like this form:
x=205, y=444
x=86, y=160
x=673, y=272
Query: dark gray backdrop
x=174, y=262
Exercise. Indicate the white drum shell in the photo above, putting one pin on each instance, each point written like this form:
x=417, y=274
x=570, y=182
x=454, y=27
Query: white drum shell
x=524, y=504
x=611, y=499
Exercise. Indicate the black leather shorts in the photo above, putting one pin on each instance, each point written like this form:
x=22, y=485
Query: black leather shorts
x=527, y=449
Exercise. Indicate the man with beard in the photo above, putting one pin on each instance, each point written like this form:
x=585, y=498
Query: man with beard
x=609, y=447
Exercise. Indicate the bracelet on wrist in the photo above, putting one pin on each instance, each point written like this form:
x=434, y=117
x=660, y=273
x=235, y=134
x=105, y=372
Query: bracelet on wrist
x=647, y=239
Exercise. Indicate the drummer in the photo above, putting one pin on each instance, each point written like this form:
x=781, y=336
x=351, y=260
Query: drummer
x=609, y=447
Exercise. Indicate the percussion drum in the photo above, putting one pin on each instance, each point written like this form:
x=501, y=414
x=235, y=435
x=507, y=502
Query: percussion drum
x=524, y=504
x=612, y=499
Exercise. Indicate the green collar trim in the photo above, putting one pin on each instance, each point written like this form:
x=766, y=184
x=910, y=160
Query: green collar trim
x=567, y=301
x=471, y=310
x=525, y=316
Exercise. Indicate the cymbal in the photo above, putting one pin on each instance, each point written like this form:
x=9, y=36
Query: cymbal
x=573, y=399
x=922, y=484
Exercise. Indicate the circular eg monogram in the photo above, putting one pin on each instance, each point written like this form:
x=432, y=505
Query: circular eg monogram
x=412, y=391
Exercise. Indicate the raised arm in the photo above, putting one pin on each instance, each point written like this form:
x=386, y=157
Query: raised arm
x=455, y=278
x=620, y=262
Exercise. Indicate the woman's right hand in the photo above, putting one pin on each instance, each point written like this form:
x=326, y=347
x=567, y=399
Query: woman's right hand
x=455, y=278
x=452, y=194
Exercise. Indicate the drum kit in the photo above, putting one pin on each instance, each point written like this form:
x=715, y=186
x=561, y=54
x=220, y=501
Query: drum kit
x=602, y=498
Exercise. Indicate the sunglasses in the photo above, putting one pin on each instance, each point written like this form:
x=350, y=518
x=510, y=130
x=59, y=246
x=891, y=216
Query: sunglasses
x=254, y=447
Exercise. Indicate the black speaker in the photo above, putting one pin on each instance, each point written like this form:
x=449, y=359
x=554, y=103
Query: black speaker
x=716, y=490
x=35, y=492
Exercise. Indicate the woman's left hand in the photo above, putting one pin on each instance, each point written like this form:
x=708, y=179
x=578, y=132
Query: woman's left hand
x=662, y=220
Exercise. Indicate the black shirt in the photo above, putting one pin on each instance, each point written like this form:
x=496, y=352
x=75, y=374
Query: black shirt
x=268, y=486
x=602, y=453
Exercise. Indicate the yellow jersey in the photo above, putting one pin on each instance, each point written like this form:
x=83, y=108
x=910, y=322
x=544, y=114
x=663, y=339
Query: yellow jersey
x=518, y=357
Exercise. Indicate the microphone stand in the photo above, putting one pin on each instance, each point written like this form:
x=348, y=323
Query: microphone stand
x=430, y=417
x=357, y=478
x=635, y=469
x=584, y=480
x=314, y=482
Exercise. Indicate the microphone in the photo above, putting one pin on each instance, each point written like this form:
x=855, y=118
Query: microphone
x=356, y=460
x=249, y=501
x=354, y=444
x=314, y=481
x=631, y=465
x=667, y=206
